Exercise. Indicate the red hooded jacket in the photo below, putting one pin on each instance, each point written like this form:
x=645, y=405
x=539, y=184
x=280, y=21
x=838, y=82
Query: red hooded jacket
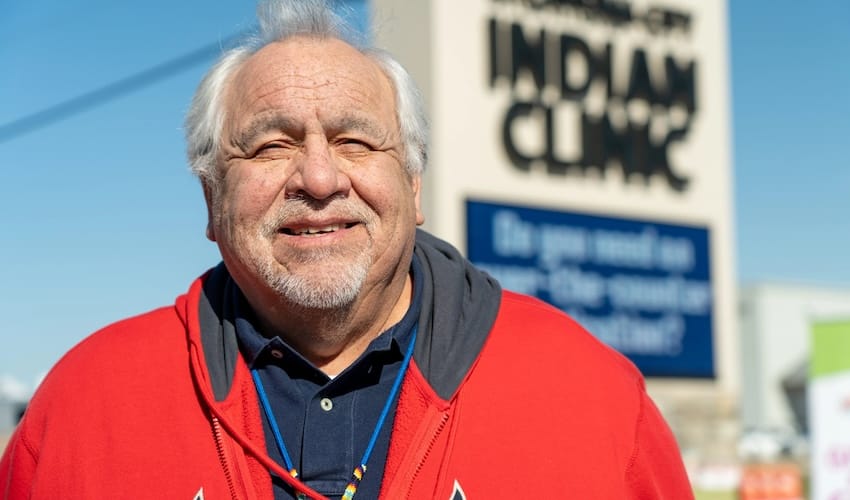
x=506, y=397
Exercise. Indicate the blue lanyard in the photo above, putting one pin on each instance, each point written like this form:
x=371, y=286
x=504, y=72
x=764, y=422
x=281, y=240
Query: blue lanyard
x=357, y=475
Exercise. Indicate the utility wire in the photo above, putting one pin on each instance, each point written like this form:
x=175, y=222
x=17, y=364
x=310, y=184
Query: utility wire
x=102, y=95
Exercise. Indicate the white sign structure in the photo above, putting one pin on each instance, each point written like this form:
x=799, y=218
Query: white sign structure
x=608, y=108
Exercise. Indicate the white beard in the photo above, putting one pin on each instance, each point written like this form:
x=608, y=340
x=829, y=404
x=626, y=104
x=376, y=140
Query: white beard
x=337, y=285
x=322, y=279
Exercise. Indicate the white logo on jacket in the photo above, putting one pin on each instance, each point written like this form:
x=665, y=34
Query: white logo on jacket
x=199, y=495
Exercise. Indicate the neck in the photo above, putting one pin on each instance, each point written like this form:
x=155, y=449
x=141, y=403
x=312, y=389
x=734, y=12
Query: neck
x=332, y=339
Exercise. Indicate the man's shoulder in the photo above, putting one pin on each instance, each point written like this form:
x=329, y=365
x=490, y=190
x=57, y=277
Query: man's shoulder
x=129, y=346
x=536, y=319
x=131, y=334
x=133, y=337
x=536, y=330
x=131, y=368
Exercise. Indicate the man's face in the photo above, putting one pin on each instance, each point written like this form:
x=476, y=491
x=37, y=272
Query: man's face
x=313, y=204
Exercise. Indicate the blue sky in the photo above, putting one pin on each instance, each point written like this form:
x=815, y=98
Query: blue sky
x=102, y=219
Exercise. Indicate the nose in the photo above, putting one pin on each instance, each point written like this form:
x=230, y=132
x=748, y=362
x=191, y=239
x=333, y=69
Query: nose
x=316, y=172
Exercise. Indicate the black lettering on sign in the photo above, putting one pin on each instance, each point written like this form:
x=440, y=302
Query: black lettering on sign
x=571, y=66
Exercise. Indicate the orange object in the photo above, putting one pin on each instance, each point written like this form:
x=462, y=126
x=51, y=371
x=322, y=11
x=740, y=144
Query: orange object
x=771, y=482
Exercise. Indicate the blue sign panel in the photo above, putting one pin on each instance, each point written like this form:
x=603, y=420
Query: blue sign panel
x=642, y=287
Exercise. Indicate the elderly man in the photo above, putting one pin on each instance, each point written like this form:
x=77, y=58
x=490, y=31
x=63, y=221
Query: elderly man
x=336, y=351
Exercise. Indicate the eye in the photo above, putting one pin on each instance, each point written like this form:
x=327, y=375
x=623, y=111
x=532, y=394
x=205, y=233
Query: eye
x=274, y=149
x=350, y=146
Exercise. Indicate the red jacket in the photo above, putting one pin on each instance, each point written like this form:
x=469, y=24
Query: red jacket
x=541, y=409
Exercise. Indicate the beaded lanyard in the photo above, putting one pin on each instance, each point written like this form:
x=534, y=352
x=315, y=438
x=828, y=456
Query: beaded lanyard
x=357, y=475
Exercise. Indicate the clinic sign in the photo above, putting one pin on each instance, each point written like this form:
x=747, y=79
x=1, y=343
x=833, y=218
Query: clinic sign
x=613, y=185
x=580, y=153
x=642, y=287
x=622, y=104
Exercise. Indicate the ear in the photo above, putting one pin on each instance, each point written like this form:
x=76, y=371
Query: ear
x=209, y=197
x=417, y=189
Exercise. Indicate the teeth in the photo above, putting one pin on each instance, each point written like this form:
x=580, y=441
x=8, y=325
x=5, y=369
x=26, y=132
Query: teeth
x=317, y=230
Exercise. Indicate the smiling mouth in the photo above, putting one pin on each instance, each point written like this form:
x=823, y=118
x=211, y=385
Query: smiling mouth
x=316, y=231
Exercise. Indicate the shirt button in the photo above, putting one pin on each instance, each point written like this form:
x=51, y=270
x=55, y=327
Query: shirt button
x=326, y=404
x=277, y=354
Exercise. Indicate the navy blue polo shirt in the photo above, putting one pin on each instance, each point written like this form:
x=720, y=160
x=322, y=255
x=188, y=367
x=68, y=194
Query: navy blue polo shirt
x=326, y=423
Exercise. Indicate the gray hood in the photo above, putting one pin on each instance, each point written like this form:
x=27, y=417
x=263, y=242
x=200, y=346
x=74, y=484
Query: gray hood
x=459, y=306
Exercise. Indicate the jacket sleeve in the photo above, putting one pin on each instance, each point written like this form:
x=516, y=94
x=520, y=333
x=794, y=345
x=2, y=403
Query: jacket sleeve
x=17, y=468
x=655, y=470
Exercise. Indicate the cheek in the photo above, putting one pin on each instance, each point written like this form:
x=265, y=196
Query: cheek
x=386, y=192
x=248, y=198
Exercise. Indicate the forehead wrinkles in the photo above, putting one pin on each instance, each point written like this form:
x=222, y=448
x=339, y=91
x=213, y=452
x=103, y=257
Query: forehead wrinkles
x=273, y=88
x=312, y=69
x=321, y=86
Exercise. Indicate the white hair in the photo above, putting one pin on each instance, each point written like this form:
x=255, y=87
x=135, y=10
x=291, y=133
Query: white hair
x=280, y=20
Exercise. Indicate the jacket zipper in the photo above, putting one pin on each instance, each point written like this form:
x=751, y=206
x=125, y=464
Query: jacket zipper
x=443, y=419
x=222, y=456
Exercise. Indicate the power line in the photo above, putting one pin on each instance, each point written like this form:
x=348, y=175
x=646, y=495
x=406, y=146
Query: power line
x=124, y=86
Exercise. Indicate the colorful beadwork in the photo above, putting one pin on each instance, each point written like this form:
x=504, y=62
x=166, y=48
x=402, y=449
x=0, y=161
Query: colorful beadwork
x=351, y=489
